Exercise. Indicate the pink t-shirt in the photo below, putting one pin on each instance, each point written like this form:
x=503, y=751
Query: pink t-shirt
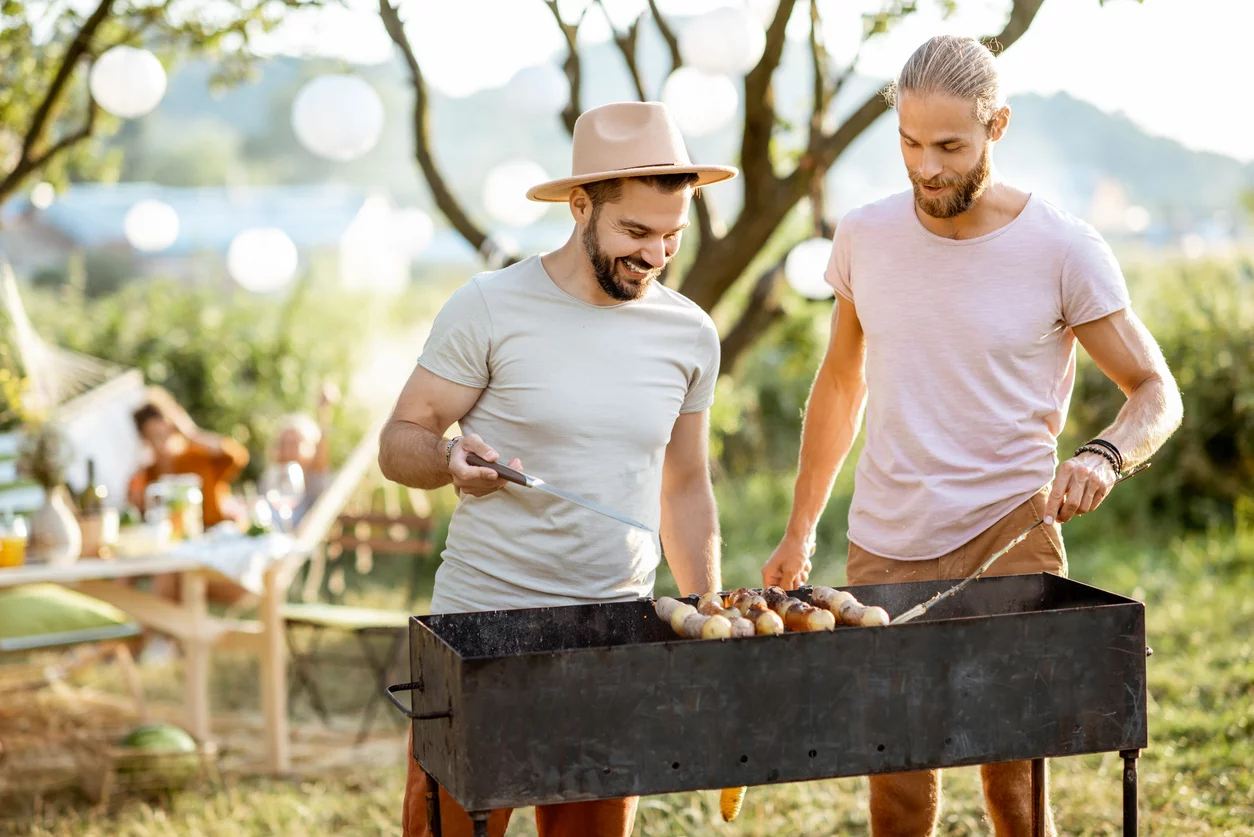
x=970, y=364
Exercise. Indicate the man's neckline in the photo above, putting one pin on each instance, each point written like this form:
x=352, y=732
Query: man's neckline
x=914, y=214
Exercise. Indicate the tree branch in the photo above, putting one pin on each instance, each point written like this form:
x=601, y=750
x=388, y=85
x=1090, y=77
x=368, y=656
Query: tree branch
x=571, y=66
x=626, y=42
x=668, y=35
x=41, y=122
x=755, y=145
x=440, y=192
x=763, y=310
x=818, y=64
x=26, y=165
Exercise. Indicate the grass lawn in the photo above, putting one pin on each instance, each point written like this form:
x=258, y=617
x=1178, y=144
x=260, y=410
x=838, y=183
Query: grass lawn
x=1197, y=776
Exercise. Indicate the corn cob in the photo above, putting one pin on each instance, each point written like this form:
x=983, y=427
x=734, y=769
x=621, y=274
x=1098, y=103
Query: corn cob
x=730, y=801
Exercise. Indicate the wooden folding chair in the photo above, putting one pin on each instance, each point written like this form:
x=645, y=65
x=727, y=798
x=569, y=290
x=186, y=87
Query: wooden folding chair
x=371, y=627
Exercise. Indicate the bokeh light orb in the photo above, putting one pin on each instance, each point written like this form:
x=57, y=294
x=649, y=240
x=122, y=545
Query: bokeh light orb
x=127, y=82
x=338, y=117
x=262, y=259
x=151, y=226
x=805, y=268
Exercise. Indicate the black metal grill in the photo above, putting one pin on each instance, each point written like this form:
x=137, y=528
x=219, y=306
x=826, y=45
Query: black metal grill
x=532, y=707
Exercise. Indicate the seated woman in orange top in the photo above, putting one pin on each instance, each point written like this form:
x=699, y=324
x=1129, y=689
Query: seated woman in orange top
x=178, y=446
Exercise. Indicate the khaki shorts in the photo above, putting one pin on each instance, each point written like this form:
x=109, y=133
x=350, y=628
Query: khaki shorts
x=1043, y=551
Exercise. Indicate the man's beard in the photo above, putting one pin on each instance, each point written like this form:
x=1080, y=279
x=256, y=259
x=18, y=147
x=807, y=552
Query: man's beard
x=967, y=189
x=606, y=269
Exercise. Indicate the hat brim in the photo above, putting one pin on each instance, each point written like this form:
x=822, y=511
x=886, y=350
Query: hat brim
x=558, y=191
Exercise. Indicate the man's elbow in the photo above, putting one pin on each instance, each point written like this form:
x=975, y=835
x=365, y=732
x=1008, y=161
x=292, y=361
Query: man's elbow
x=387, y=462
x=1174, y=402
x=1163, y=383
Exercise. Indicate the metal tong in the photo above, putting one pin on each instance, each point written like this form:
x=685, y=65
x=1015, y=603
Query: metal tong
x=920, y=609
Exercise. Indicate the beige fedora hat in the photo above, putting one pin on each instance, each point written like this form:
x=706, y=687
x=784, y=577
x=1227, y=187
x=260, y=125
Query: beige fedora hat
x=626, y=139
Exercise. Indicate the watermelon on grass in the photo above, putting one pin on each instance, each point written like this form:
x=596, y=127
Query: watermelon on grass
x=159, y=756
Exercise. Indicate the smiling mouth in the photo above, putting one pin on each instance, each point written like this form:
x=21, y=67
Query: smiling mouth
x=635, y=269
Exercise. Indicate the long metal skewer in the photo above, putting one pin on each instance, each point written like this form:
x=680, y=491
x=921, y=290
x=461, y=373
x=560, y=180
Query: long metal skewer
x=920, y=609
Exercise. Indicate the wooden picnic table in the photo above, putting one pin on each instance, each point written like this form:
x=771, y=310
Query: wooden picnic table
x=189, y=622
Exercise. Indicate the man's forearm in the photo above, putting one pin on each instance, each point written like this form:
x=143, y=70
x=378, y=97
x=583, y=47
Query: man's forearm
x=412, y=455
x=833, y=415
x=1151, y=414
x=690, y=537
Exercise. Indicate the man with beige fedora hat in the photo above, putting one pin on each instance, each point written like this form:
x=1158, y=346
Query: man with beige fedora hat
x=597, y=376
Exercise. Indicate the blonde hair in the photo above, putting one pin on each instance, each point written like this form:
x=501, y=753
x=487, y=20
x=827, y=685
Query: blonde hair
x=955, y=66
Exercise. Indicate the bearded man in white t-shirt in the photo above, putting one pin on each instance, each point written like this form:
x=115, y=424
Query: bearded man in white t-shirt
x=583, y=368
x=959, y=304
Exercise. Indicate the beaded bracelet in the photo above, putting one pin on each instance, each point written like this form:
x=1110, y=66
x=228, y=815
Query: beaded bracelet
x=1100, y=451
x=1110, y=447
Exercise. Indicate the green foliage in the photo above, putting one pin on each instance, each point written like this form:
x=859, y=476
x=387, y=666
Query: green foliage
x=13, y=383
x=44, y=454
x=237, y=363
x=46, y=53
x=1202, y=315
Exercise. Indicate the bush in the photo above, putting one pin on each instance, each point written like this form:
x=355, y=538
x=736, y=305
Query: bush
x=237, y=363
x=1202, y=315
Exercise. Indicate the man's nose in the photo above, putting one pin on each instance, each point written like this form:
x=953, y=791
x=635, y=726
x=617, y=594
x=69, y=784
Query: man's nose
x=930, y=167
x=654, y=253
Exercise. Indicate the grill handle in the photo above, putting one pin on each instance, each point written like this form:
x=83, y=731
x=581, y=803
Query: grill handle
x=409, y=713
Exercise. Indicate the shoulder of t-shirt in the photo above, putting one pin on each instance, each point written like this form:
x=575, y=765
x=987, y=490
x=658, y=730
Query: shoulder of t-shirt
x=492, y=283
x=1068, y=227
x=686, y=308
x=671, y=298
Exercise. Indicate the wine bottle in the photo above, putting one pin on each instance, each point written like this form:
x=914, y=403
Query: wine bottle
x=95, y=495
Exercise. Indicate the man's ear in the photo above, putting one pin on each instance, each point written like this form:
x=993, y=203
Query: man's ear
x=580, y=205
x=1000, y=122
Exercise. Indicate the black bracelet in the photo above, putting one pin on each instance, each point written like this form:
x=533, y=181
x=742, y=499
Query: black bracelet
x=1100, y=451
x=1114, y=450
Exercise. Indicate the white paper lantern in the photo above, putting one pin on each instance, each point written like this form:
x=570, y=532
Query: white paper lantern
x=42, y=195
x=725, y=40
x=262, y=259
x=127, y=82
x=413, y=230
x=505, y=193
x=805, y=268
x=701, y=102
x=541, y=90
x=151, y=226
x=339, y=117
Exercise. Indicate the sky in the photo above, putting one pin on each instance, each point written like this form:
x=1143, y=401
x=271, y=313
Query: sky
x=1175, y=67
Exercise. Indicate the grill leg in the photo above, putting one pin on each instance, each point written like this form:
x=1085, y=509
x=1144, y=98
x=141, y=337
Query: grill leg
x=433, y=807
x=481, y=823
x=1129, y=792
x=1038, y=797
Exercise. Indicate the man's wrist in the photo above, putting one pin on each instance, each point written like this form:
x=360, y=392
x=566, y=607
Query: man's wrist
x=1098, y=458
x=448, y=451
x=801, y=536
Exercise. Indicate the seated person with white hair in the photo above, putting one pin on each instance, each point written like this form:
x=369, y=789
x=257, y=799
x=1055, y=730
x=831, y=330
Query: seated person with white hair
x=302, y=439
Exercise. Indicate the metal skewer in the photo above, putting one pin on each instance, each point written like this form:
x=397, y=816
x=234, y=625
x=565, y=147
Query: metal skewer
x=920, y=609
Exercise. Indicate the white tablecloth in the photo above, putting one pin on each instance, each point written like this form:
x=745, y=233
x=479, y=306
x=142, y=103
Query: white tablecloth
x=239, y=557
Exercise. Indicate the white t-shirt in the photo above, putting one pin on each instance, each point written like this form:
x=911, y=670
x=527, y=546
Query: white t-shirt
x=586, y=396
x=970, y=365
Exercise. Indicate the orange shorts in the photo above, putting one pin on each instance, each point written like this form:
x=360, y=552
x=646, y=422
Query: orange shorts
x=601, y=818
x=1043, y=551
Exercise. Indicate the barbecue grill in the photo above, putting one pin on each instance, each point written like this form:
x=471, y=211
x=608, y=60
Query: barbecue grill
x=549, y=705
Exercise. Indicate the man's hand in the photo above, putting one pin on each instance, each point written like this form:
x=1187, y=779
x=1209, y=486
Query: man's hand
x=1080, y=486
x=472, y=480
x=789, y=565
